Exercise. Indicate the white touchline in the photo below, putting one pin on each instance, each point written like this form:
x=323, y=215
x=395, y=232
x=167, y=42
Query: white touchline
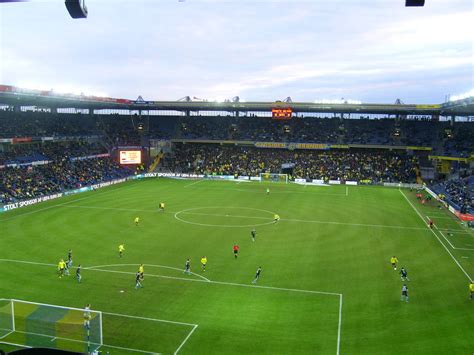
x=339, y=326
x=432, y=231
x=452, y=246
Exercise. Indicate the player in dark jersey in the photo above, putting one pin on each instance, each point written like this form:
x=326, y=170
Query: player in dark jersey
x=69, y=258
x=137, y=280
x=404, y=293
x=78, y=273
x=253, y=233
x=236, y=250
x=66, y=269
x=404, y=274
x=187, y=267
x=257, y=275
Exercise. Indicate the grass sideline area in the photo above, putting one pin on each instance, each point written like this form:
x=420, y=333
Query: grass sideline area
x=326, y=287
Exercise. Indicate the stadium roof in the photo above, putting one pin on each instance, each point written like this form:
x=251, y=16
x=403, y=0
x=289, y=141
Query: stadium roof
x=10, y=95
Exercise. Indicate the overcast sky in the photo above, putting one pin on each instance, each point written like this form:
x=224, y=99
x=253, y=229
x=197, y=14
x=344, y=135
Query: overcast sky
x=260, y=50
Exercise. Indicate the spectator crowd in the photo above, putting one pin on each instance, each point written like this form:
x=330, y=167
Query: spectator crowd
x=355, y=165
x=460, y=192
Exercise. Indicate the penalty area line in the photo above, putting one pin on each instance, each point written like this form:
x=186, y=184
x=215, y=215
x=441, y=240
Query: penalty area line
x=186, y=339
x=95, y=268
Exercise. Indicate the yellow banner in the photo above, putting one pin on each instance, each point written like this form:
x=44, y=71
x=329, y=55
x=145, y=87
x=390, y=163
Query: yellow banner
x=441, y=157
x=270, y=145
x=311, y=146
x=428, y=106
x=418, y=148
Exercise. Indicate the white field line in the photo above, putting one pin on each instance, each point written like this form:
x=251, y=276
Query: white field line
x=186, y=279
x=14, y=344
x=186, y=339
x=452, y=246
x=7, y=334
x=193, y=183
x=458, y=231
x=60, y=204
x=82, y=341
x=128, y=349
x=150, y=319
x=94, y=268
x=432, y=231
x=225, y=283
x=151, y=275
x=262, y=218
x=339, y=326
x=303, y=221
x=147, y=265
x=347, y=190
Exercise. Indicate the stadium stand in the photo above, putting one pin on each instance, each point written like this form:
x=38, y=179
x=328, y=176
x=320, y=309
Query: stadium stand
x=355, y=165
x=459, y=193
x=59, y=138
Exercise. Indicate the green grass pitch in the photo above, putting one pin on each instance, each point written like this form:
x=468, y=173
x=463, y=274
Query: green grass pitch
x=326, y=287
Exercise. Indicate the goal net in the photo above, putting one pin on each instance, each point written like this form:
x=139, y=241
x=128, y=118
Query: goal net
x=272, y=177
x=30, y=324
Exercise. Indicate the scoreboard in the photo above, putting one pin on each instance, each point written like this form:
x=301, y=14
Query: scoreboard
x=130, y=157
x=282, y=113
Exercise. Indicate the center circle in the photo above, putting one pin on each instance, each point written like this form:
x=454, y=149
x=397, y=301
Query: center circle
x=228, y=217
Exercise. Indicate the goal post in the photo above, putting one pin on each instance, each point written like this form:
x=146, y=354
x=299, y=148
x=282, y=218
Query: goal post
x=32, y=324
x=273, y=177
x=7, y=320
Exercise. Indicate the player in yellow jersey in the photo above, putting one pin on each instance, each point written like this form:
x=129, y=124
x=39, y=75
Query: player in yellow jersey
x=141, y=271
x=471, y=290
x=121, y=249
x=394, y=261
x=203, y=263
x=276, y=218
x=137, y=220
x=162, y=206
x=61, y=267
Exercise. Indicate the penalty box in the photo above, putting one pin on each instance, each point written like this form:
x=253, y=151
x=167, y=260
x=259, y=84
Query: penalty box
x=263, y=319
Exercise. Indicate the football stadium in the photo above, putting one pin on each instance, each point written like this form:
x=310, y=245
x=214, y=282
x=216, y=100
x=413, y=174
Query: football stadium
x=198, y=226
